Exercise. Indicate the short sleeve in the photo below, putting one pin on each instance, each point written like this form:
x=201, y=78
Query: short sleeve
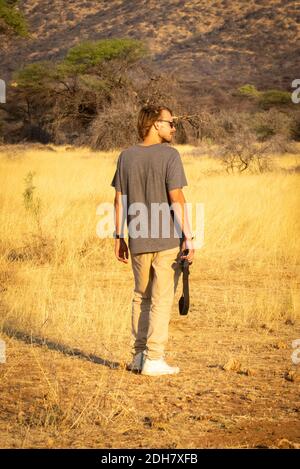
x=175, y=177
x=116, y=181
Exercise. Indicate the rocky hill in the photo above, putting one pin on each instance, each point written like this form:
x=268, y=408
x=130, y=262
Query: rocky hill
x=212, y=46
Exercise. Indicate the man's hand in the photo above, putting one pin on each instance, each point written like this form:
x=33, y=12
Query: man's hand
x=187, y=244
x=121, y=250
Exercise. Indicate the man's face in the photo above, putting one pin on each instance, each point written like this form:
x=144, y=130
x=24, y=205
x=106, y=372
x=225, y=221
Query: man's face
x=164, y=128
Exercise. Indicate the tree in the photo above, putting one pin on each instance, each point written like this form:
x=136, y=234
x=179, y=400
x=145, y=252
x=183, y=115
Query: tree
x=62, y=99
x=92, y=53
x=11, y=19
x=265, y=99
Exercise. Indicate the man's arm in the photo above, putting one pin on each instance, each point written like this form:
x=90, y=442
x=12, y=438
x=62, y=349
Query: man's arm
x=118, y=212
x=121, y=249
x=178, y=203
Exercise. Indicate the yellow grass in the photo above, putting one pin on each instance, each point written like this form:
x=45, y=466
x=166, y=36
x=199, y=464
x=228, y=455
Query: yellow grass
x=61, y=282
x=251, y=232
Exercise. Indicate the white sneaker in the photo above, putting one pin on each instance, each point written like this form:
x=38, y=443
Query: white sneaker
x=137, y=362
x=158, y=367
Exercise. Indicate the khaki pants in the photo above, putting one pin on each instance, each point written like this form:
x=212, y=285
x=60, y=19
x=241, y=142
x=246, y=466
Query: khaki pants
x=156, y=277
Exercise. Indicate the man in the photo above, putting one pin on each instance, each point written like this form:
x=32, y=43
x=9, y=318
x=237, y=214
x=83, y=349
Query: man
x=148, y=176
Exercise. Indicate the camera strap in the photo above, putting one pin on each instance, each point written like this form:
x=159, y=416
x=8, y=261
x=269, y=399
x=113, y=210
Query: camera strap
x=184, y=301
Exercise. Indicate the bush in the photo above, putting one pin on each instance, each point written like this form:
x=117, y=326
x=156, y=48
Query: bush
x=274, y=98
x=265, y=99
x=91, y=53
x=267, y=124
x=34, y=76
x=295, y=128
x=76, y=100
x=12, y=18
x=249, y=90
x=114, y=128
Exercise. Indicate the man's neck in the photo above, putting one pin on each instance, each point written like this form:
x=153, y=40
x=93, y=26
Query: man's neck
x=151, y=141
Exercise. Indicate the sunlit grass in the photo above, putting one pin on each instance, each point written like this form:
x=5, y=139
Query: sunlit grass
x=63, y=282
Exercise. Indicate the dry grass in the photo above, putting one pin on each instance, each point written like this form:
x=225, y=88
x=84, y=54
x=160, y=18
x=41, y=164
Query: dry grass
x=61, y=284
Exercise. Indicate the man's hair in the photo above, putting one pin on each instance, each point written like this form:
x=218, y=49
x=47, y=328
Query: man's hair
x=147, y=116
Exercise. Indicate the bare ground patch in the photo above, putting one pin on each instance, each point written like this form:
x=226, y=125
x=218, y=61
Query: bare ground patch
x=49, y=399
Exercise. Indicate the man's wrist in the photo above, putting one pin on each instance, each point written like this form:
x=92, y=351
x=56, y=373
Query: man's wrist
x=188, y=237
x=118, y=235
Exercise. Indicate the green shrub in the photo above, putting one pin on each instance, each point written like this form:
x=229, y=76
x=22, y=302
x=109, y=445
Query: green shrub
x=94, y=83
x=274, y=98
x=265, y=99
x=35, y=75
x=91, y=53
x=13, y=18
x=249, y=91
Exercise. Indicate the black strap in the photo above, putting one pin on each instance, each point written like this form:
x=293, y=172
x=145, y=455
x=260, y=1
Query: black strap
x=184, y=301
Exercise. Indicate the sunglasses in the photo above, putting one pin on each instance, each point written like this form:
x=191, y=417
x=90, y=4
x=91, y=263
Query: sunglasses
x=172, y=124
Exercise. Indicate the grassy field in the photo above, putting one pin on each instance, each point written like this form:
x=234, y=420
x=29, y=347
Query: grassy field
x=65, y=311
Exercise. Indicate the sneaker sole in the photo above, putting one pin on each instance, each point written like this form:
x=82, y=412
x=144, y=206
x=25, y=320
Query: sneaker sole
x=159, y=373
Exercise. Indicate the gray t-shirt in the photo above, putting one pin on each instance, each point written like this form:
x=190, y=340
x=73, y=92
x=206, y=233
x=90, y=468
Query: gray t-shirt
x=144, y=175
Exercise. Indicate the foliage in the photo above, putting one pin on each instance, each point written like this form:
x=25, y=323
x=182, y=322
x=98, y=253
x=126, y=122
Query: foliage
x=83, y=96
x=93, y=96
x=265, y=99
x=91, y=53
x=249, y=91
x=12, y=18
x=274, y=98
x=34, y=76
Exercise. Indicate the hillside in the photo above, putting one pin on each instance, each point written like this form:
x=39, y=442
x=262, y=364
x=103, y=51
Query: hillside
x=212, y=46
